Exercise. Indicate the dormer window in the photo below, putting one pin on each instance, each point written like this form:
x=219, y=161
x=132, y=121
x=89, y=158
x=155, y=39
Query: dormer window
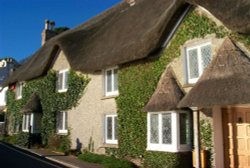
x=111, y=81
x=197, y=58
x=19, y=90
x=62, y=80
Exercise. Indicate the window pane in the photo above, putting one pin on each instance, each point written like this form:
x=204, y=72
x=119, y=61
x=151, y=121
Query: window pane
x=116, y=128
x=65, y=120
x=109, y=128
x=2, y=117
x=115, y=80
x=60, y=120
x=193, y=64
x=66, y=80
x=184, y=128
x=109, y=80
x=154, y=124
x=60, y=81
x=206, y=55
x=166, y=129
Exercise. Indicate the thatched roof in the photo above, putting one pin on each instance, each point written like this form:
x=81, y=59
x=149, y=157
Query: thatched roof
x=235, y=14
x=226, y=80
x=33, y=105
x=121, y=34
x=167, y=94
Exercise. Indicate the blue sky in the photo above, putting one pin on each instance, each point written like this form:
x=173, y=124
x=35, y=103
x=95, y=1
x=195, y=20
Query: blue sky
x=22, y=21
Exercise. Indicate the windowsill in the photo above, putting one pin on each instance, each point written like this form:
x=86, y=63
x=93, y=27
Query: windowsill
x=25, y=130
x=188, y=85
x=105, y=145
x=62, y=91
x=109, y=97
x=18, y=98
x=62, y=132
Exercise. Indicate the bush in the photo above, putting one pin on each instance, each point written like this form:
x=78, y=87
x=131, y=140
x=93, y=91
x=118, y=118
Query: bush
x=167, y=160
x=106, y=161
x=21, y=139
x=60, y=143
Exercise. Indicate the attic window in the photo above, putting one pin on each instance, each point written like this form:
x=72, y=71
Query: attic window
x=111, y=81
x=62, y=80
x=197, y=59
x=19, y=90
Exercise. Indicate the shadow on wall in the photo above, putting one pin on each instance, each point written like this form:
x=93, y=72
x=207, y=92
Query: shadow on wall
x=78, y=145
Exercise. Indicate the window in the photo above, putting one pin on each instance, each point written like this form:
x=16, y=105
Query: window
x=19, y=90
x=169, y=131
x=197, y=59
x=111, y=129
x=62, y=80
x=2, y=117
x=3, y=96
x=111, y=82
x=27, y=121
x=62, y=122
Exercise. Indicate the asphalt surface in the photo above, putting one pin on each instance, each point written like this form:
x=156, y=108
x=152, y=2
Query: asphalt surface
x=11, y=157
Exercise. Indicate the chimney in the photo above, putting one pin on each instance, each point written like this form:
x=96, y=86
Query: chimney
x=48, y=32
x=131, y=2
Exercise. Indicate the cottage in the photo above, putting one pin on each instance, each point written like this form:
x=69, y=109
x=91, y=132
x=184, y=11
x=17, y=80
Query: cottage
x=120, y=57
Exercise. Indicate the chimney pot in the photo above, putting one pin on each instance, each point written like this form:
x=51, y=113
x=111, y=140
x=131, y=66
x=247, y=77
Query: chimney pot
x=47, y=22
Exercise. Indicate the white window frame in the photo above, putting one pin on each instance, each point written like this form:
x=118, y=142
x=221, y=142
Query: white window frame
x=64, y=130
x=113, y=92
x=200, y=68
x=19, y=90
x=4, y=96
x=175, y=146
x=113, y=140
x=26, y=117
x=64, y=86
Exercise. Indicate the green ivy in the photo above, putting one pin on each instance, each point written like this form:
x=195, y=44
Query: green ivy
x=51, y=101
x=138, y=80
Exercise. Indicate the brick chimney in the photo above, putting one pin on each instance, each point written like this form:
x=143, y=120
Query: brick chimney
x=130, y=2
x=48, y=32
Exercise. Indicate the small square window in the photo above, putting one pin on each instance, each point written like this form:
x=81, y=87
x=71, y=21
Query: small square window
x=19, y=90
x=62, y=80
x=111, y=129
x=111, y=82
x=197, y=59
x=62, y=122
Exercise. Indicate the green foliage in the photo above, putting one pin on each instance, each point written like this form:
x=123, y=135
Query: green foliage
x=206, y=134
x=51, y=101
x=167, y=160
x=60, y=143
x=22, y=139
x=137, y=82
x=106, y=161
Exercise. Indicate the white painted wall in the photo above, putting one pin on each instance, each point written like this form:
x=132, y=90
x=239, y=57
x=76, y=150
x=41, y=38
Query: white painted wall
x=2, y=96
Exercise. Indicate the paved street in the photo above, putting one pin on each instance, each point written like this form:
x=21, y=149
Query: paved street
x=13, y=158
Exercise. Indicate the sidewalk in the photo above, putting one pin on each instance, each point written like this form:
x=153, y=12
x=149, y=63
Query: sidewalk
x=69, y=161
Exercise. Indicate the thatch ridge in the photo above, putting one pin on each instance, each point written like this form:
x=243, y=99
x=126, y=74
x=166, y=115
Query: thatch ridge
x=226, y=80
x=235, y=14
x=119, y=35
x=167, y=94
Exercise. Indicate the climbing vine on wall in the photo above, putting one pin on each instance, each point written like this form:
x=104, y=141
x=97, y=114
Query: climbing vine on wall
x=138, y=80
x=51, y=100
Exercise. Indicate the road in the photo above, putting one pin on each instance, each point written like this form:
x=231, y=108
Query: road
x=10, y=157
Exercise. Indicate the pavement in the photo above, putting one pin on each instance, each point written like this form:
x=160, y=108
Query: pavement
x=68, y=161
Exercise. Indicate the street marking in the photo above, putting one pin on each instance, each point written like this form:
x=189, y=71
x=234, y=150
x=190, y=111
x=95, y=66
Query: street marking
x=33, y=157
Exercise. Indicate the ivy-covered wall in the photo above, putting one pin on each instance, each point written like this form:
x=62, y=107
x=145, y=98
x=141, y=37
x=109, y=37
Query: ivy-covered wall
x=138, y=80
x=51, y=101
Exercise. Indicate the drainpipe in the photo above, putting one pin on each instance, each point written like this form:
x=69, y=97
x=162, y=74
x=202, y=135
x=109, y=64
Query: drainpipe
x=197, y=149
